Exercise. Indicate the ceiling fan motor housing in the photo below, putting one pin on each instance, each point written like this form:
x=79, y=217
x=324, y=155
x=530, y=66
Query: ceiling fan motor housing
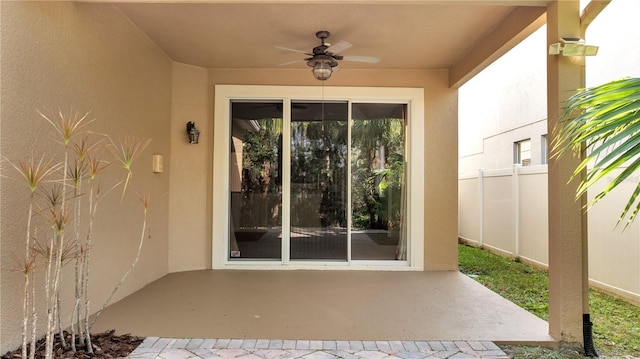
x=324, y=58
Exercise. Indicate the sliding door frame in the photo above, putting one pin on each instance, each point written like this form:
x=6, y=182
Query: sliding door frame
x=225, y=94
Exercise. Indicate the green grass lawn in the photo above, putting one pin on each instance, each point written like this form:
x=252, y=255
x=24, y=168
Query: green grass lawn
x=616, y=323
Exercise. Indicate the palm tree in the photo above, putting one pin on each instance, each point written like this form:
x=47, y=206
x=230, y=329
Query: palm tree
x=605, y=122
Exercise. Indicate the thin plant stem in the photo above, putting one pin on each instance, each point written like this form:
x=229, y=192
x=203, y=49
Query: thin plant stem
x=27, y=274
x=47, y=289
x=58, y=258
x=63, y=341
x=66, y=129
x=34, y=172
x=145, y=201
x=34, y=322
x=94, y=167
x=93, y=208
x=25, y=314
x=79, y=262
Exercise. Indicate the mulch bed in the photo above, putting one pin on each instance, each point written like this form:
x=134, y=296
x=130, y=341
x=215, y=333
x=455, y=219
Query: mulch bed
x=105, y=346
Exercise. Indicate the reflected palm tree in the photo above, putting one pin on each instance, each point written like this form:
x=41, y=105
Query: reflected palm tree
x=378, y=169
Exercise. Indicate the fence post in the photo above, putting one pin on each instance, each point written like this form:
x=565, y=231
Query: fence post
x=481, y=205
x=516, y=208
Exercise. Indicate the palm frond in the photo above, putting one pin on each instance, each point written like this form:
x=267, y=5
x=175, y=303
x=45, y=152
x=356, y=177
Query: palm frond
x=605, y=120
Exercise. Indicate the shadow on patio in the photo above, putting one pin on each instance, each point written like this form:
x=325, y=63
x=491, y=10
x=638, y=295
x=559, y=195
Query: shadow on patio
x=323, y=305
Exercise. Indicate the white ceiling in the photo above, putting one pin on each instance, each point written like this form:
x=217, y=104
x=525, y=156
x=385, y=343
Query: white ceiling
x=414, y=34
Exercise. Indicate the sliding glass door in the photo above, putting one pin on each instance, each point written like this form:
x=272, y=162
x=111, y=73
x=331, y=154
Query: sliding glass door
x=317, y=181
x=319, y=133
x=378, y=195
x=255, y=228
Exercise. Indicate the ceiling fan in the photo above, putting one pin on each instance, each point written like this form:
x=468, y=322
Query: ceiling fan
x=324, y=57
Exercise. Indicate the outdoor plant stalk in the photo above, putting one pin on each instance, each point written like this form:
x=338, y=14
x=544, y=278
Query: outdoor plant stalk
x=59, y=249
x=33, y=173
x=75, y=313
x=145, y=203
x=27, y=273
x=60, y=231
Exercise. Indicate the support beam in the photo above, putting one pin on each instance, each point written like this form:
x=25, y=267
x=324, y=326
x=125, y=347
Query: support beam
x=593, y=9
x=522, y=22
x=567, y=220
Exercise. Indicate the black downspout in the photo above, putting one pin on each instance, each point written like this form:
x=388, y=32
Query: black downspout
x=587, y=337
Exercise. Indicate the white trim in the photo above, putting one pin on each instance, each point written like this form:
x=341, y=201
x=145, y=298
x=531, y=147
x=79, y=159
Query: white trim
x=413, y=97
x=349, y=192
x=286, y=184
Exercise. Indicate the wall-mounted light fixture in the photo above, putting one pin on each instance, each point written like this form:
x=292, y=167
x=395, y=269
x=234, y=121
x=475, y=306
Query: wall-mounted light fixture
x=157, y=165
x=572, y=46
x=192, y=132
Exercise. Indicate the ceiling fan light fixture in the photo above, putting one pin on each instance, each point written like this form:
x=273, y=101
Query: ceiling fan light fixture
x=322, y=70
x=324, y=58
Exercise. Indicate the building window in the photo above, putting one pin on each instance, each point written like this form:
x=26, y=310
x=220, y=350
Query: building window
x=543, y=149
x=522, y=152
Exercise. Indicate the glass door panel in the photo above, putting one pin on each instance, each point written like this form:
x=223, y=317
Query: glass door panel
x=256, y=181
x=378, y=197
x=319, y=181
x=319, y=193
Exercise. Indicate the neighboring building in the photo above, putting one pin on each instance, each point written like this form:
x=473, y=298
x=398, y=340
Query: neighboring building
x=503, y=123
x=503, y=109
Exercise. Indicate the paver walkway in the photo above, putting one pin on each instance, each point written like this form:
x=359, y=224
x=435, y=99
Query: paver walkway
x=164, y=348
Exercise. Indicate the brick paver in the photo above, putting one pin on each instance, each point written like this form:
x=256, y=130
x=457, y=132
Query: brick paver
x=167, y=348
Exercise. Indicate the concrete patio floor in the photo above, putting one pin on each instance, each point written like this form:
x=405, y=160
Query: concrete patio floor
x=323, y=305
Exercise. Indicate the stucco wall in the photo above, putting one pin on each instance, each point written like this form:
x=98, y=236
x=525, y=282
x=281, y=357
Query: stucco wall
x=74, y=56
x=190, y=225
x=440, y=156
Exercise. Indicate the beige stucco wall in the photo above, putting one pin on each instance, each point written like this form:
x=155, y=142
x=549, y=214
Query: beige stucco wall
x=440, y=157
x=190, y=225
x=70, y=56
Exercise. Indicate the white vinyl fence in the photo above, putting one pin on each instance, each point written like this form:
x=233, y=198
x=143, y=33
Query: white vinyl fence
x=506, y=211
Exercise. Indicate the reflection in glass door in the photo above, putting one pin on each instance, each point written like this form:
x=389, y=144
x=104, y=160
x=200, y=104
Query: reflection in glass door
x=319, y=181
x=342, y=181
x=255, y=228
x=378, y=195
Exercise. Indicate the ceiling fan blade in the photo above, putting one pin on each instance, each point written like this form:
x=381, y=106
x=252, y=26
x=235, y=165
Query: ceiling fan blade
x=291, y=62
x=339, y=47
x=294, y=50
x=368, y=59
